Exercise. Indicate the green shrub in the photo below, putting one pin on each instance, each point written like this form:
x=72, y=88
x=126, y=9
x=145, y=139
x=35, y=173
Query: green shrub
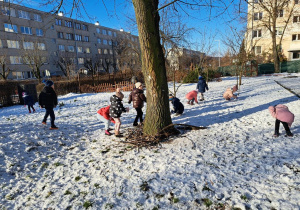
x=191, y=77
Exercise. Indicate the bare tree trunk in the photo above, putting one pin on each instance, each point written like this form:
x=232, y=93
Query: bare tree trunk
x=153, y=66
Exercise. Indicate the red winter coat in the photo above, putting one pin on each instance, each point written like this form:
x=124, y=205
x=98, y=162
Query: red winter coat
x=191, y=95
x=282, y=113
x=104, y=112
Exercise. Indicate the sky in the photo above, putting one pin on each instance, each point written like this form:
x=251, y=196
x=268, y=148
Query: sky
x=119, y=14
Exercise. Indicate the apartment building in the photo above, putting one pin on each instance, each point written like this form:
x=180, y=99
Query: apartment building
x=182, y=58
x=259, y=24
x=31, y=38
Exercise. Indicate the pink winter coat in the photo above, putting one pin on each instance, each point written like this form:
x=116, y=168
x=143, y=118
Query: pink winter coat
x=191, y=95
x=228, y=94
x=282, y=113
x=234, y=88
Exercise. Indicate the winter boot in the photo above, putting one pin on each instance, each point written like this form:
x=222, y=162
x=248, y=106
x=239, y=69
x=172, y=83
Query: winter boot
x=44, y=123
x=33, y=110
x=53, y=127
x=135, y=124
x=29, y=111
x=289, y=134
x=276, y=134
x=192, y=103
x=107, y=133
x=188, y=102
x=117, y=134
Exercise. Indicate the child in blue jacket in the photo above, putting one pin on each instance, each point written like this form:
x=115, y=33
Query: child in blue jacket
x=28, y=100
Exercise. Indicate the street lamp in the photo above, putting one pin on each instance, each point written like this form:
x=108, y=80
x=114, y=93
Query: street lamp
x=219, y=53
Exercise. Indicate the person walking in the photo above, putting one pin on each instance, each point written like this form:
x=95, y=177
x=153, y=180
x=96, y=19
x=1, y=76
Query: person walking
x=48, y=100
x=28, y=100
x=138, y=98
x=201, y=87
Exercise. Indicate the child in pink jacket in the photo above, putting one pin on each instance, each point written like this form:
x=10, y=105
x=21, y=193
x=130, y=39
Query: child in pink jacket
x=284, y=116
x=228, y=94
x=191, y=97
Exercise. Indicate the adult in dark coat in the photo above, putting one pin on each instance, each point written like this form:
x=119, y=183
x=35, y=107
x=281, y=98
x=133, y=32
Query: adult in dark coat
x=178, y=107
x=28, y=100
x=201, y=87
x=138, y=98
x=48, y=100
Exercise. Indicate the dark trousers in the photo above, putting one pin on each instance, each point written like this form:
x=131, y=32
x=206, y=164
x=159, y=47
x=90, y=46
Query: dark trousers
x=49, y=111
x=139, y=115
x=30, y=106
x=285, y=125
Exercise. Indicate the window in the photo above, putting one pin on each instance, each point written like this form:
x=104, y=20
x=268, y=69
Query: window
x=115, y=34
x=30, y=75
x=71, y=48
x=80, y=60
x=78, y=37
x=99, y=41
x=69, y=36
x=110, y=42
x=258, y=15
x=256, y=33
x=86, y=38
x=28, y=45
x=15, y=59
x=87, y=50
x=104, y=41
x=84, y=27
x=105, y=51
x=297, y=1
x=18, y=75
x=68, y=24
x=54, y=40
x=104, y=32
x=23, y=14
x=13, y=44
x=79, y=49
x=77, y=26
x=296, y=19
x=37, y=17
x=58, y=22
x=39, y=32
x=296, y=55
x=41, y=46
x=257, y=49
x=10, y=28
x=98, y=30
x=110, y=52
x=60, y=35
x=280, y=13
x=99, y=51
x=279, y=31
x=109, y=33
x=61, y=47
x=295, y=37
x=26, y=30
x=9, y=11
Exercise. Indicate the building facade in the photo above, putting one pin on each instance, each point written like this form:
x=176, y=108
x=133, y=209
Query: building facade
x=54, y=44
x=262, y=14
x=182, y=58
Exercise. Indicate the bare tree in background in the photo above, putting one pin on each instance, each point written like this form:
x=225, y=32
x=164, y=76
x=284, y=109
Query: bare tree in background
x=93, y=64
x=66, y=62
x=35, y=58
x=4, y=69
x=267, y=15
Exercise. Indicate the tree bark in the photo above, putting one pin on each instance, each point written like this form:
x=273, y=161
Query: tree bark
x=153, y=67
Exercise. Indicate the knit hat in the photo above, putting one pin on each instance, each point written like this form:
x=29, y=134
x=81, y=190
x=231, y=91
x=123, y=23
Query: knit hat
x=138, y=84
x=171, y=97
x=120, y=95
x=49, y=83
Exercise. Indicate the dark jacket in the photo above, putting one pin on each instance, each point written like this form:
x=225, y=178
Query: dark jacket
x=48, y=98
x=28, y=100
x=138, y=98
x=116, y=108
x=177, y=105
x=201, y=86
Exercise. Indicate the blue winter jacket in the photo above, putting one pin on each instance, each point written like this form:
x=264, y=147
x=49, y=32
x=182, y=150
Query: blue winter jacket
x=177, y=105
x=201, y=86
x=28, y=100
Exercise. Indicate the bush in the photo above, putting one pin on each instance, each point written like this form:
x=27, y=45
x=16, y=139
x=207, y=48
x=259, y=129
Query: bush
x=191, y=77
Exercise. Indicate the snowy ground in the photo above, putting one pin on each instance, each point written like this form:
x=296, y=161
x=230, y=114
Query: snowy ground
x=234, y=163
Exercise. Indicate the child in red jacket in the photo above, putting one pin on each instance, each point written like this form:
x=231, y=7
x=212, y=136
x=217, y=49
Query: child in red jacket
x=103, y=115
